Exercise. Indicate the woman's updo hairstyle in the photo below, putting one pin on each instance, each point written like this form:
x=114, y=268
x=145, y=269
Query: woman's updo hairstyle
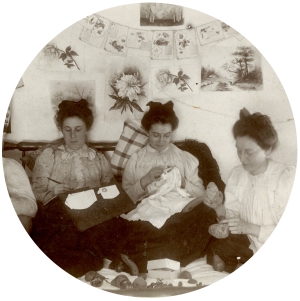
x=160, y=113
x=70, y=108
x=258, y=127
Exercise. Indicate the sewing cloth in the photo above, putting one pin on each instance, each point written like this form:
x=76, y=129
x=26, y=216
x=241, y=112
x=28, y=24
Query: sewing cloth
x=166, y=198
x=141, y=162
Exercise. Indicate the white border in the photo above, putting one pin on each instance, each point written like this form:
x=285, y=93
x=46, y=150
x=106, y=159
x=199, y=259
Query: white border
x=26, y=26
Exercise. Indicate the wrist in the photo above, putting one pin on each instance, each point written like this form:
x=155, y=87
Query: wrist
x=220, y=210
x=252, y=230
x=143, y=183
x=48, y=195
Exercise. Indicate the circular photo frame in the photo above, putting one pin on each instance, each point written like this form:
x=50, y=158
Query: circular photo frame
x=125, y=61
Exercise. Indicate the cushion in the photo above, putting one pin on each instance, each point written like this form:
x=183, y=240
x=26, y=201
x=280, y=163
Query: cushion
x=131, y=140
x=29, y=159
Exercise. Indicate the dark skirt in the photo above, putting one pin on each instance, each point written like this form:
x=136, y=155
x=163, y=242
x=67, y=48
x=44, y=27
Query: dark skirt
x=184, y=237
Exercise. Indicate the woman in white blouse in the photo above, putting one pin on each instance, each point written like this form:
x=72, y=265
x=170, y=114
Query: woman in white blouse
x=256, y=193
x=184, y=236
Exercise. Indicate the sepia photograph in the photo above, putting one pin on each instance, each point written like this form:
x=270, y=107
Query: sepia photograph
x=149, y=150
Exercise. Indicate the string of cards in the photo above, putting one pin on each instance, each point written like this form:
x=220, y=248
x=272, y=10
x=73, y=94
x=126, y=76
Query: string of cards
x=115, y=38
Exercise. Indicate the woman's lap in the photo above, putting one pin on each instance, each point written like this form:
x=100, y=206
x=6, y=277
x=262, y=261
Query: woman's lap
x=184, y=237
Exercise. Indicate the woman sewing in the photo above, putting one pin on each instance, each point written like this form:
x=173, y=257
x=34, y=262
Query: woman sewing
x=256, y=193
x=71, y=165
x=183, y=235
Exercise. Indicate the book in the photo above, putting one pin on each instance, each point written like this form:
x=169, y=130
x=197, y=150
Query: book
x=94, y=212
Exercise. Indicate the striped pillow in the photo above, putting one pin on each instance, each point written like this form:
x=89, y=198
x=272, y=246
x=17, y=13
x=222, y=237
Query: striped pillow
x=131, y=140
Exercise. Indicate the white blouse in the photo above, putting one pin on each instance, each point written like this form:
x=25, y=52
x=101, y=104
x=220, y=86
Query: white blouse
x=259, y=199
x=19, y=189
x=141, y=162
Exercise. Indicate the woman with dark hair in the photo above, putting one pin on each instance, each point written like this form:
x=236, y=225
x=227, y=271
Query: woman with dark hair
x=183, y=236
x=72, y=165
x=147, y=165
x=256, y=192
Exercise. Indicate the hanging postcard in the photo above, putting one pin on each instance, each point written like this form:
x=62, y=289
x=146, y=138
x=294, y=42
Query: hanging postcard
x=89, y=21
x=162, y=46
x=161, y=14
x=228, y=31
x=117, y=39
x=186, y=43
x=210, y=32
x=139, y=39
x=231, y=69
x=98, y=33
x=175, y=81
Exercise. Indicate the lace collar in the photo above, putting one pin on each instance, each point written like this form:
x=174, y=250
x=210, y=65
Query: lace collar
x=84, y=152
x=152, y=150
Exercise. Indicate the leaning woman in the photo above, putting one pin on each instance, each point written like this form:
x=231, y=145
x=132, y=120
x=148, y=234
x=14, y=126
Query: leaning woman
x=74, y=165
x=184, y=235
x=256, y=193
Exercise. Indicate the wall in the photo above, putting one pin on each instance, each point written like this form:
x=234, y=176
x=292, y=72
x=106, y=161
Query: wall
x=206, y=116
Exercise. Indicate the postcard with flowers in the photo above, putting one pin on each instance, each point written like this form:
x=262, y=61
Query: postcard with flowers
x=174, y=81
x=98, y=33
x=139, y=39
x=126, y=85
x=89, y=21
x=117, y=39
x=186, y=43
x=162, y=45
x=61, y=57
x=210, y=32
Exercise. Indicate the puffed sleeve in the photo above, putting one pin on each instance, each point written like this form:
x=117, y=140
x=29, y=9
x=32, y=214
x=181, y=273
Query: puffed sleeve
x=42, y=169
x=278, y=203
x=19, y=189
x=106, y=172
x=130, y=183
x=232, y=205
x=194, y=184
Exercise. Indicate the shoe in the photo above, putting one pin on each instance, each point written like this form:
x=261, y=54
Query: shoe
x=125, y=265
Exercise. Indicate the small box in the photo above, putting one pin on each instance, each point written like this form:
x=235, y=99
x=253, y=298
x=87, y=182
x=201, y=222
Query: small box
x=163, y=274
x=163, y=264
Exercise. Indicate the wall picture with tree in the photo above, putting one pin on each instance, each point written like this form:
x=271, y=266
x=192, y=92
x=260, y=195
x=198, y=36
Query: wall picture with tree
x=231, y=69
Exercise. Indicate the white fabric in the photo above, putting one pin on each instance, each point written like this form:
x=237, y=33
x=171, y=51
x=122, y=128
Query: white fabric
x=141, y=162
x=166, y=198
x=19, y=189
x=259, y=199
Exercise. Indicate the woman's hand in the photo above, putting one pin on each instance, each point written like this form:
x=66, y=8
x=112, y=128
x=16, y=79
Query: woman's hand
x=153, y=175
x=238, y=226
x=61, y=188
x=215, y=202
